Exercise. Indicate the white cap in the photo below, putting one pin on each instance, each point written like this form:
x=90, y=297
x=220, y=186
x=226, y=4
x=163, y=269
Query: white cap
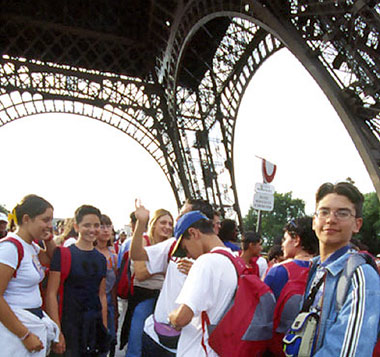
x=3, y=217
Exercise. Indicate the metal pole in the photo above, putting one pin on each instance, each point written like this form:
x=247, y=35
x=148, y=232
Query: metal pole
x=258, y=225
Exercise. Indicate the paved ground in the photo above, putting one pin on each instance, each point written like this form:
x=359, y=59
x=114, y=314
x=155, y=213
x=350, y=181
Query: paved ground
x=120, y=353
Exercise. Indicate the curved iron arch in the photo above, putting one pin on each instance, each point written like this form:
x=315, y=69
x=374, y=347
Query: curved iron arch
x=356, y=101
x=26, y=89
x=220, y=115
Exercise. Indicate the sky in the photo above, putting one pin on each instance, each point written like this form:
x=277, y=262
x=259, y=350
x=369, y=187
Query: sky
x=284, y=117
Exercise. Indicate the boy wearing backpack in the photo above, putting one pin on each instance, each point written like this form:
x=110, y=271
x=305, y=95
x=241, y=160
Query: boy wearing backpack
x=288, y=279
x=351, y=327
x=209, y=287
x=159, y=340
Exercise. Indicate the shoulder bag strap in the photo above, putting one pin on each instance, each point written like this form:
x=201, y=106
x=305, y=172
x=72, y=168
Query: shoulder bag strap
x=310, y=299
x=20, y=251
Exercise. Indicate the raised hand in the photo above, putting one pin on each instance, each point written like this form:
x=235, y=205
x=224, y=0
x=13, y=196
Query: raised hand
x=141, y=213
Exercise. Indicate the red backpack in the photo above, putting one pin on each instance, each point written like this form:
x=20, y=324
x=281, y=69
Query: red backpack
x=65, y=271
x=288, y=304
x=125, y=277
x=20, y=251
x=247, y=325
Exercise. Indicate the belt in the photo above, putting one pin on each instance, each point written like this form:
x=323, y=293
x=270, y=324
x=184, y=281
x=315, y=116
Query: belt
x=36, y=311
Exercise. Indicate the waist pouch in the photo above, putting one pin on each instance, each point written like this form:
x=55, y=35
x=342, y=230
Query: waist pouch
x=167, y=335
x=299, y=341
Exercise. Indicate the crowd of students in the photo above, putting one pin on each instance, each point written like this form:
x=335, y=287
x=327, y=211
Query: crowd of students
x=177, y=291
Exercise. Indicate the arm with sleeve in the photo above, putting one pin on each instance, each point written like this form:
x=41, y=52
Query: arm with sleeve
x=8, y=254
x=210, y=285
x=276, y=279
x=158, y=255
x=353, y=330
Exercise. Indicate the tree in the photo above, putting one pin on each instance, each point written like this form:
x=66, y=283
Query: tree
x=370, y=231
x=3, y=209
x=272, y=223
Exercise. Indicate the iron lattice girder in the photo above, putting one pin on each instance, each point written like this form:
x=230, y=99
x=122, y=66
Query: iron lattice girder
x=205, y=58
x=214, y=105
x=353, y=29
x=356, y=103
x=128, y=104
x=122, y=37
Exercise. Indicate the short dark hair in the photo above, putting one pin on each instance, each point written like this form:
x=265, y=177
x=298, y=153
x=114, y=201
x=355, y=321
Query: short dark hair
x=275, y=252
x=357, y=244
x=84, y=210
x=205, y=226
x=250, y=237
x=32, y=205
x=346, y=189
x=303, y=228
x=228, y=230
x=105, y=220
x=201, y=205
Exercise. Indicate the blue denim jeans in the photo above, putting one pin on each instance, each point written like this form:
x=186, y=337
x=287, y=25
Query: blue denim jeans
x=111, y=317
x=141, y=312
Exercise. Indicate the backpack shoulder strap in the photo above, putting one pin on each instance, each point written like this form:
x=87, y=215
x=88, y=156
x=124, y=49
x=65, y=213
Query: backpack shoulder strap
x=294, y=270
x=171, y=250
x=353, y=262
x=147, y=241
x=236, y=261
x=20, y=251
x=65, y=262
x=65, y=271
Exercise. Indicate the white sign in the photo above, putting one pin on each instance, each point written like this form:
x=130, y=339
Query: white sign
x=263, y=201
x=264, y=188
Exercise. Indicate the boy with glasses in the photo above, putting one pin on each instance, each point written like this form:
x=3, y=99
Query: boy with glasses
x=352, y=329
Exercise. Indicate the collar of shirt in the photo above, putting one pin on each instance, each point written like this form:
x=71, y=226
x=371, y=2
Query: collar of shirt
x=334, y=256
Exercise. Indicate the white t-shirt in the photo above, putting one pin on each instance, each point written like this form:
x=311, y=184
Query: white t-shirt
x=263, y=266
x=69, y=241
x=23, y=290
x=173, y=282
x=209, y=287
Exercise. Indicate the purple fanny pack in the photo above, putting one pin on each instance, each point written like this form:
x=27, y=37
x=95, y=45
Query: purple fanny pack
x=167, y=335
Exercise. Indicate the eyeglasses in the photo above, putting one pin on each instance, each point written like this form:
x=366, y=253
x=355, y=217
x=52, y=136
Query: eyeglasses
x=342, y=213
x=106, y=226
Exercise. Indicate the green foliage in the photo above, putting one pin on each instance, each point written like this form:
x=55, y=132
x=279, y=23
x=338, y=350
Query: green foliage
x=370, y=231
x=287, y=208
x=272, y=223
x=3, y=209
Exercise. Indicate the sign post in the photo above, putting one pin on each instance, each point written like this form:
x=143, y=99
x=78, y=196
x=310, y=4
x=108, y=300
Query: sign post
x=263, y=199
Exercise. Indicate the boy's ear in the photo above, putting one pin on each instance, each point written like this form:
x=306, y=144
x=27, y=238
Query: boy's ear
x=298, y=241
x=193, y=233
x=358, y=225
x=252, y=245
x=313, y=225
x=76, y=227
x=25, y=218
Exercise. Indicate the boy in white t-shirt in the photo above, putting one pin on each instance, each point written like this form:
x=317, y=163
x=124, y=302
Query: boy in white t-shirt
x=159, y=260
x=209, y=287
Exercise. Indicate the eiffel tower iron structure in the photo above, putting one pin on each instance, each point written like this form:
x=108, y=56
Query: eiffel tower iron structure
x=171, y=73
